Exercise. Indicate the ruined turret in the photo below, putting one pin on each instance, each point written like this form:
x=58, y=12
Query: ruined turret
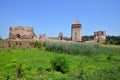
x=100, y=36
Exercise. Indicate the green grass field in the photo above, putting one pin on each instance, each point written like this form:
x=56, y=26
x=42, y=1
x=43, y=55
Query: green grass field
x=34, y=64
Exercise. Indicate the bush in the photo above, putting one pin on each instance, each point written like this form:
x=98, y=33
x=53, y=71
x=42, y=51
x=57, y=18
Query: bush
x=60, y=64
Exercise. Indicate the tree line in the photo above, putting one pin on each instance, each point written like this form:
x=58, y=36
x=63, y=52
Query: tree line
x=109, y=39
x=112, y=40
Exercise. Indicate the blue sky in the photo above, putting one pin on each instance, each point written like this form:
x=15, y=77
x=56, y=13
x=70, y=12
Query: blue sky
x=53, y=16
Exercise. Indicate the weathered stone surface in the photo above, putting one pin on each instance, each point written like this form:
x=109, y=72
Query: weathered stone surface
x=27, y=33
x=21, y=33
x=76, y=31
x=100, y=36
x=42, y=36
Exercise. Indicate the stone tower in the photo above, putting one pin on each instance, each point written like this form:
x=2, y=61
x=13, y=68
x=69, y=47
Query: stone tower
x=76, y=31
x=100, y=36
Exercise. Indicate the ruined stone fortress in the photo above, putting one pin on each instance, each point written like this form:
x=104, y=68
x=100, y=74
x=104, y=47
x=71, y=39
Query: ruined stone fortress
x=27, y=33
x=21, y=32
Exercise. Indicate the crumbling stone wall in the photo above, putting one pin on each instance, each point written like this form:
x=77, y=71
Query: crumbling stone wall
x=42, y=36
x=100, y=36
x=21, y=33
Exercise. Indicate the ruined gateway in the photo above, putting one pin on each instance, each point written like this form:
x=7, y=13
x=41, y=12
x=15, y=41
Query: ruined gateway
x=21, y=33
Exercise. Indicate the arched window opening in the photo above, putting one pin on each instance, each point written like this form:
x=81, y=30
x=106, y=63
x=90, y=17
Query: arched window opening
x=18, y=36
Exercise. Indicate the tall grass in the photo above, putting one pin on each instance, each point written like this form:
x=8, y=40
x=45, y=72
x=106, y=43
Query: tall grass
x=79, y=48
x=72, y=48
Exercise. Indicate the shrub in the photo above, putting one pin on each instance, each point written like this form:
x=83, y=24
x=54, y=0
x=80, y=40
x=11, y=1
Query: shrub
x=60, y=64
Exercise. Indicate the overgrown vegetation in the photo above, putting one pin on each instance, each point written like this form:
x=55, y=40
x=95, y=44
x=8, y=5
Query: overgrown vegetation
x=38, y=44
x=73, y=48
x=60, y=64
x=76, y=62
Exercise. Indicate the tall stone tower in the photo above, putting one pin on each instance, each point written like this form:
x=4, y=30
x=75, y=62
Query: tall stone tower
x=76, y=31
